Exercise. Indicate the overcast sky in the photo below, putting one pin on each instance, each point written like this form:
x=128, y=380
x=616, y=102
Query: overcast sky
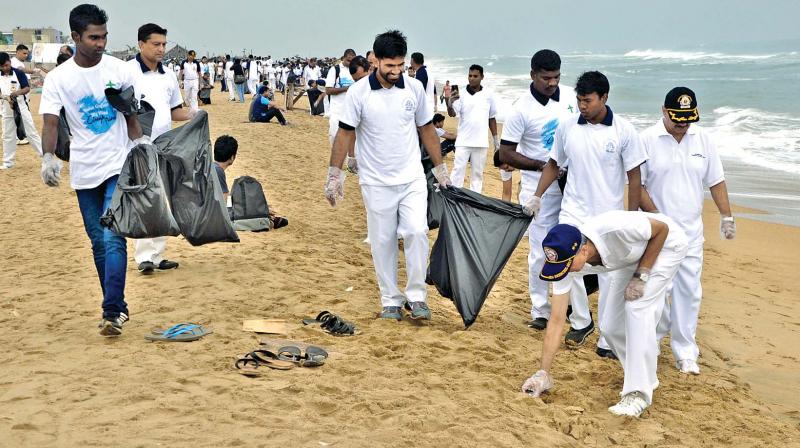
x=467, y=28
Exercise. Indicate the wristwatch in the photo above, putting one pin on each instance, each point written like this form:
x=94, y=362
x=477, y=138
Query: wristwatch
x=643, y=276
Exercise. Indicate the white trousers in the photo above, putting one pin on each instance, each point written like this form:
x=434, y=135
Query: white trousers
x=231, y=87
x=477, y=158
x=333, y=128
x=149, y=249
x=252, y=84
x=10, y=131
x=190, y=89
x=629, y=327
x=399, y=210
x=680, y=315
x=537, y=230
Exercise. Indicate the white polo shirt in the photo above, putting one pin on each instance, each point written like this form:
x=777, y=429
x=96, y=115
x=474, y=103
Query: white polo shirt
x=599, y=157
x=16, y=63
x=677, y=174
x=99, y=133
x=621, y=238
x=229, y=69
x=190, y=70
x=532, y=126
x=311, y=73
x=474, y=111
x=385, y=122
x=253, y=70
x=345, y=79
x=160, y=89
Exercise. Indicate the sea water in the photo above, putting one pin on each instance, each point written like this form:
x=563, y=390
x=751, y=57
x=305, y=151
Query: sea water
x=748, y=101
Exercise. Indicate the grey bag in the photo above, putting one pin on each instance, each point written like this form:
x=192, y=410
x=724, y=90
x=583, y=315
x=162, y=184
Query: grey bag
x=125, y=101
x=477, y=236
x=140, y=206
x=195, y=193
x=250, y=210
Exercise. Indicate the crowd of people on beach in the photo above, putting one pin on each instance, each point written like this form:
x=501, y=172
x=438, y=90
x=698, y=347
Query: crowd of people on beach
x=577, y=158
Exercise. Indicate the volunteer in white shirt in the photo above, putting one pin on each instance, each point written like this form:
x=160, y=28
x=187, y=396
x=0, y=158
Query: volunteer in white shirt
x=190, y=76
x=601, y=151
x=160, y=89
x=99, y=146
x=19, y=58
x=253, y=74
x=683, y=162
x=641, y=253
x=528, y=136
x=476, y=109
x=229, y=78
x=270, y=74
x=336, y=85
x=385, y=115
x=311, y=72
x=13, y=88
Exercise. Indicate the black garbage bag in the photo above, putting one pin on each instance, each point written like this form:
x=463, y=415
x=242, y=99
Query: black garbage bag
x=435, y=200
x=477, y=236
x=195, y=193
x=64, y=137
x=140, y=205
x=21, y=135
x=125, y=101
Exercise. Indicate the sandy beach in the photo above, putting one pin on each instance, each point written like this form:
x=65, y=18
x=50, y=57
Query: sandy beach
x=395, y=383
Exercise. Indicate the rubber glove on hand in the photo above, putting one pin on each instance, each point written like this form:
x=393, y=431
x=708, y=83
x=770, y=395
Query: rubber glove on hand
x=727, y=228
x=635, y=288
x=334, y=186
x=539, y=383
x=531, y=208
x=51, y=170
x=143, y=140
x=496, y=140
x=440, y=173
x=352, y=164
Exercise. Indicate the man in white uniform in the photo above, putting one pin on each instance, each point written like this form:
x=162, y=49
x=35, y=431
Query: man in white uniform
x=270, y=74
x=336, y=85
x=528, y=136
x=99, y=147
x=18, y=62
x=640, y=252
x=229, y=78
x=160, y=89
x=190, y=75
x=683, y=162
x=385, y=115
x=601, y=150
x=253, y=75
x=311, y=72
x=13, y=89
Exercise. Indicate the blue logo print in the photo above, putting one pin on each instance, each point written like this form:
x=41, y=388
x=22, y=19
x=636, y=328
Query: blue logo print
x=98, y=116
x=548, y=133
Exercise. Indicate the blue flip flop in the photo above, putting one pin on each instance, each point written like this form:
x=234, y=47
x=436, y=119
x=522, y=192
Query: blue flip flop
x=183, y=332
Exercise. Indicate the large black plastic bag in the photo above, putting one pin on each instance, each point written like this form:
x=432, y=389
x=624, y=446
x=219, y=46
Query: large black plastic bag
x=477, y=236
x=435, y=200
x=140, y=206
x=195, y=193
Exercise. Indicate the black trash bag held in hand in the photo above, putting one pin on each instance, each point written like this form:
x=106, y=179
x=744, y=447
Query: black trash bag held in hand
x=64, y=137
x=21, y=135
x=140, y=206
x=194, y=190
x=477, y=236
x=125, y=101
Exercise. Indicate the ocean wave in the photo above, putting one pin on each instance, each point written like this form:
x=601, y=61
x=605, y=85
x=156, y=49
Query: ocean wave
x=697, y=56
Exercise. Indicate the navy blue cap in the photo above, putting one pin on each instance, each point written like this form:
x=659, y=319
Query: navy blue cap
x=560, y=246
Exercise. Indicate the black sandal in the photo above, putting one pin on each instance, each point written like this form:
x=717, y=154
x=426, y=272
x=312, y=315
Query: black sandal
x=314, y=356
x=332, y=324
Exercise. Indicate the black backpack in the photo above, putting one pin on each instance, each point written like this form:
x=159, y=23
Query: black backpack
x=250, y=210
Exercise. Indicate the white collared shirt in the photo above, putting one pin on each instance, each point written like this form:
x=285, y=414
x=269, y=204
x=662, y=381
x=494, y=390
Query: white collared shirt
x=474, y=111
x=161, y=91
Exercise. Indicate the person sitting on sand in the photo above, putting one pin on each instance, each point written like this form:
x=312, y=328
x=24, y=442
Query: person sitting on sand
x=448, y=138
x=316, y=97
x=204, y=93
x=263, y=110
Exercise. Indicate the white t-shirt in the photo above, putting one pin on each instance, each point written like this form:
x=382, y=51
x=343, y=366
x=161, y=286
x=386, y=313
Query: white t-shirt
x=253, y=70
x=621, y=238
x=311, y=73
x=220, y=68
x=440, y=131
x=161, y=91
x=533, y=127
x=229, y=69
x=99, y=133
x=385, y=122
x=16, y=63
x=345, y=80
x=599, y=157
x=190, y=70
x=270, y=71
x=677, y=174
x=474, y=112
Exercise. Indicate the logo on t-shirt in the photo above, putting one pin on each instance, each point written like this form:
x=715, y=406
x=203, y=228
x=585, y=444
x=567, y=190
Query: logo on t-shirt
x=408, y=105
x=548, y=133
x=611, y=146
x=97, y=115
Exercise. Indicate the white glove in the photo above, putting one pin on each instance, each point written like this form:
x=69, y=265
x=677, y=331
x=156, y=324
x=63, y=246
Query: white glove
x=440, y=173
x=143, y=140
x=727, y=228
x=635, y=288
x=531, y=208
x=191, y=114
x=496, y=143
x=538, y=384
x=51, y=169
x=352, y=164
x=334, y=186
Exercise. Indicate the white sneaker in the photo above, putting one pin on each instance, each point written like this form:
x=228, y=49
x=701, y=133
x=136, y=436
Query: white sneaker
x=631, y=405
x=688, y=366
x=24, y=141
x=6, y=167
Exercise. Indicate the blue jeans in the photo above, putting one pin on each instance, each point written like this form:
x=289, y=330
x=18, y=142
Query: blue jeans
x=240, y=91
x=109, y=249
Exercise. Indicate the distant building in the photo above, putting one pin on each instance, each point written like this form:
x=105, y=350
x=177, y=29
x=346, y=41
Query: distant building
x=177, y=52
x=30, y=36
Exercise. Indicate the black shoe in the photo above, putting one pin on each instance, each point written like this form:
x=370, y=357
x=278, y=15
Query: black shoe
x=540, y=323
x=605, y=353
x=166, y=264
x=576, y=338
x=112, y=327
x=147, y=267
